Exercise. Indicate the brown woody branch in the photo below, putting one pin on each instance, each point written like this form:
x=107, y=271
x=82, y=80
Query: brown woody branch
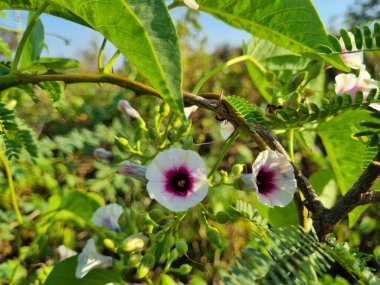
x=359, y=194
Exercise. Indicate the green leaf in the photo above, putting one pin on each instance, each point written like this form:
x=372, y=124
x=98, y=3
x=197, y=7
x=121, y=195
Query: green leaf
x=58, y=64
x=283, y=216
x=53, y=89
x=33, y=5
x=344, y=152
x=278, y=60
x=367, y=37
x=4, y=48
x=323, y=181
x=144, y=32
x=64, y=273
x=294, y=25
x=80, y=204
x=34, y=45
x=346, y=39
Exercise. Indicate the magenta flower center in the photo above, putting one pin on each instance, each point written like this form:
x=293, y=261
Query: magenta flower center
x=179, y=181
x=265, y=181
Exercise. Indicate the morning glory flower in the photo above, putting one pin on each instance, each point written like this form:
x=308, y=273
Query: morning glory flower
x=272, y=178
x=191, y=4
x=90, y=258
x=108, y=216
x=177, y=179
x=352, y=59
x=351, y=84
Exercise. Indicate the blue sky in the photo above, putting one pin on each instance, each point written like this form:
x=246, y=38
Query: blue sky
x=331, y=13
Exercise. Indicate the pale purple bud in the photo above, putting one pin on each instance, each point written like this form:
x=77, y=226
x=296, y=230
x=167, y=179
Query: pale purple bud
x=103, y=153
x=126, y=108
x=133, y=170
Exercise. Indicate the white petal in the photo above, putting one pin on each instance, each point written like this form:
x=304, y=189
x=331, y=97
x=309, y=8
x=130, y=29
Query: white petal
x=344, y=83
x=65, y=252
x=375, y=106
x=226, y=129
x=189, y=110
x=191, y=4
x=108, y=216
x=90, y=258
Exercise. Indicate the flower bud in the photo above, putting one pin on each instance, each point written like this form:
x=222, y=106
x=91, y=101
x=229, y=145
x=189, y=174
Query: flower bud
x=213, y=236
x=108, y=243
x=145, y=265
x=183, y=269
x=135, y=242
x=103, y=153
x=134, y=260
x=222, y=217
x=134, y=170
x=297, y=80
x=156, y=214
x=237, y=169
x=181, y=247
x=126, y=108
x=144, y=220
x=292, y=100
x=314, y=68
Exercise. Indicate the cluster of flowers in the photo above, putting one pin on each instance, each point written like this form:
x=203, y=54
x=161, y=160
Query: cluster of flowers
x=177, y=178
x=351, y=83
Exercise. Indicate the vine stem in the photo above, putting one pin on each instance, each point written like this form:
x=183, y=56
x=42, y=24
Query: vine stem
x=109, y=65
x=225, y=149
x=100, y=56
x=26, y=34
x=11, y=187
x=218, y=69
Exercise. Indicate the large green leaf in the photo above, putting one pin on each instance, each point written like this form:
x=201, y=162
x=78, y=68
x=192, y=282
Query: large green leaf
x=64, y=273
x=294, y=25
x=33, y=5
x=142, y=30
x=269, y=57
x=34, y=45
x=345, y=153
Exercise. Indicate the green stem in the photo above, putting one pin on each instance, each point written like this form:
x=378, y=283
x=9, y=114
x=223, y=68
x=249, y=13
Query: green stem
x=26, y=34
x=223, y=153
x=109, y=65
x=218, y=69
x=100, y=56
x=12, y=80
x=11, y=187
x=291, y=144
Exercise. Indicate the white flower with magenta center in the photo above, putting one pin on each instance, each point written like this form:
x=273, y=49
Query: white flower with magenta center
x=177, y=179
x=108, y=216
x=272, y=178
x=90, y=258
